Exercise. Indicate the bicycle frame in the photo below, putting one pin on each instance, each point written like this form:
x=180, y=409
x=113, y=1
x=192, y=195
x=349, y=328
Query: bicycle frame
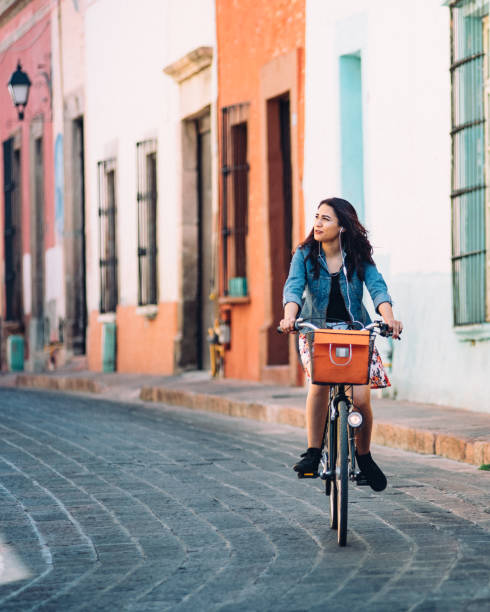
x=338, y=459
x=337, y=392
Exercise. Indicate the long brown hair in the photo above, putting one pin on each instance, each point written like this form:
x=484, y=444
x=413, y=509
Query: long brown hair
x=355, y=240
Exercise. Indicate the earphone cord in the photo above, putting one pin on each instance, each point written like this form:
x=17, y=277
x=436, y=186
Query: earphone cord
x=347, y=281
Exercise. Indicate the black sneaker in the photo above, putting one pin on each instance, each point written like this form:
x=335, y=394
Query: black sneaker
x=308, y=465
x=375, y=477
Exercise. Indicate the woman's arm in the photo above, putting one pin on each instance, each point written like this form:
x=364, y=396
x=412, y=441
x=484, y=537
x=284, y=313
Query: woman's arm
x=296, y=281
x=293, y=291
x=386, y=311
x=381, y=298
x=376, y=286
x=290, y=313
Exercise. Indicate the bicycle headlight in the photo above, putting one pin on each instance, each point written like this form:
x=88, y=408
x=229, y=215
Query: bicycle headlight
x=354, y=419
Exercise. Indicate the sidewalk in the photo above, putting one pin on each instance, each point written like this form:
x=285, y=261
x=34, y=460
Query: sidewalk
x=424, y=428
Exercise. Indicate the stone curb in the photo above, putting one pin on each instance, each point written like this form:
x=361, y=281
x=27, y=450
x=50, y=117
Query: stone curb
x=420, y=441
x=284, y=415
x=58, y=383
x=476, y=452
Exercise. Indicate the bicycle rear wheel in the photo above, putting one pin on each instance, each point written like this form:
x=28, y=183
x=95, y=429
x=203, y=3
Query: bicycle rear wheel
x=342, y=474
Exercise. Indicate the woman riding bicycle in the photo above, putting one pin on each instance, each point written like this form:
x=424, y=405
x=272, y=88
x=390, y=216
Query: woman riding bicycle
x=325, y=285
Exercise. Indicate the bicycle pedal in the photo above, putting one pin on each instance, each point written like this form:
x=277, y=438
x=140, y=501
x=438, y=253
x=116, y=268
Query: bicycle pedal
x=308, y=475
x=361, y=480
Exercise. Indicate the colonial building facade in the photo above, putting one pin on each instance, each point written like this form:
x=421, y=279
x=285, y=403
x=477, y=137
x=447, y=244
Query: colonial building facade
x=166, y=167
x=260, y=114
x=150, y=166
x=31, y=304
x=397, y=121
x=42, y=181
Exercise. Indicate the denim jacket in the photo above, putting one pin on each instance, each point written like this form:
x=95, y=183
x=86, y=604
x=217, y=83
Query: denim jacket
x=312, y=294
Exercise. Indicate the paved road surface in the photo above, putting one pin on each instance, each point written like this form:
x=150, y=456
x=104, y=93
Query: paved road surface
x=110, y=506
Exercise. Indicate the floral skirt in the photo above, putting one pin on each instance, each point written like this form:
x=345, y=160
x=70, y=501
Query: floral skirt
x=378, y=378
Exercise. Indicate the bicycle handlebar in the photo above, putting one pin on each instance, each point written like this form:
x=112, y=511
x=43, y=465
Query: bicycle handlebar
x=379, y=327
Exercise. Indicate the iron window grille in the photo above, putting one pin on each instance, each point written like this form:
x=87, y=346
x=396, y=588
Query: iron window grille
x=234, y=199
x=146, y=154
x=107, y=236
x=468, y=189
x=12, y=236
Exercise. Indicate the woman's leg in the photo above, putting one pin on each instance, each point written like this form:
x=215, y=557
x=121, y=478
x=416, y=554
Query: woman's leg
x=362, y=401
x=372, y=472
x=316, y=413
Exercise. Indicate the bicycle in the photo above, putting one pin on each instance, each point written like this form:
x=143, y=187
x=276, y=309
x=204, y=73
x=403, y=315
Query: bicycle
x=338, y=460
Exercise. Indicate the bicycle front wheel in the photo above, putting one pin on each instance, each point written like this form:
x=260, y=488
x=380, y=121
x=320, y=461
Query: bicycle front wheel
x=331, y=483
x=334, y=505
x=342, y=474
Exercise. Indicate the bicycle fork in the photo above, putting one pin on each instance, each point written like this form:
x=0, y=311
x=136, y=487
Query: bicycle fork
x=329, y=472
x=355, y=475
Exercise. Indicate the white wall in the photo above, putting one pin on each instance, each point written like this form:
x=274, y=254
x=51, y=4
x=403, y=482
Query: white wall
x=406, y=123
x=128, y=99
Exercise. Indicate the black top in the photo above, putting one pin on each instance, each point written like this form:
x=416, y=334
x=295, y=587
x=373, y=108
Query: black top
x=336, y=310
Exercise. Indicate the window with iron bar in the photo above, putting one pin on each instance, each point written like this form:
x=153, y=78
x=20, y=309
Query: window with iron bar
x=146, y=154
x=470, y=148
x=12, y=245
x=107, y=236
x=234, y=199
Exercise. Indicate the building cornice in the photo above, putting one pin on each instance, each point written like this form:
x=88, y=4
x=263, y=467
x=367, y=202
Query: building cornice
x=189, y=65
x=5, y=5
x=10, y=8
x=25, y=27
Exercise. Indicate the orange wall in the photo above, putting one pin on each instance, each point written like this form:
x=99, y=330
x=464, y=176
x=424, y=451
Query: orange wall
x=94, y=342
x=251, y=33
x=143, y=346
x=146, y=346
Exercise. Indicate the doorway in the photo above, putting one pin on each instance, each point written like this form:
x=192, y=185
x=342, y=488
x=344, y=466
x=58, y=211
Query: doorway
x=38, y=326
x=351, y=132
x=37, y=228
x=280, y=217
x=197, y=282
x=12, y=233
x=79, y=300
x=205, y=235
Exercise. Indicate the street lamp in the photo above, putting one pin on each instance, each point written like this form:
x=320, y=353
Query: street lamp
x=19, y=85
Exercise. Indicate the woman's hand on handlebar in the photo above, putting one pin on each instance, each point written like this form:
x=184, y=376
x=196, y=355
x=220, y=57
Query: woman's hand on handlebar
x=290, y=313
x=386, y=312
x=287, y=324
x=395, y=326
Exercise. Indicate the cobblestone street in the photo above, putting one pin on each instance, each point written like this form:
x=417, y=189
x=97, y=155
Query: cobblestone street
x=110, y=505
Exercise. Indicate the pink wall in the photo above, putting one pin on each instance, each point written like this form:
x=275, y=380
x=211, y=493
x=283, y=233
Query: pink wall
x=33, y=49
